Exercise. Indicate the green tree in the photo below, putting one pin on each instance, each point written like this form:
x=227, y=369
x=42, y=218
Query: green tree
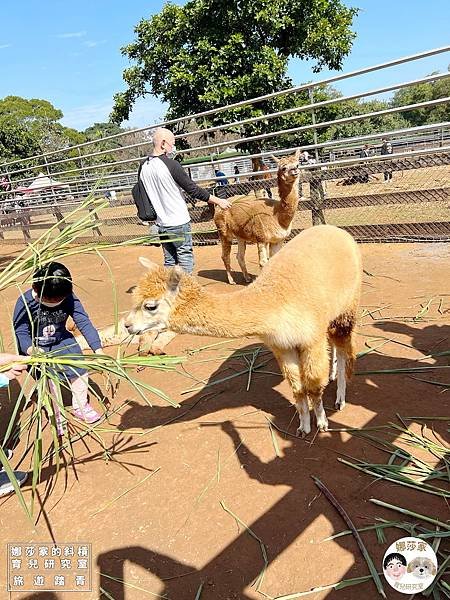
x=32, y=126
x=15, y=140
x=101, y=130
x=208, y=53
x=424, y=92
x=366, y=126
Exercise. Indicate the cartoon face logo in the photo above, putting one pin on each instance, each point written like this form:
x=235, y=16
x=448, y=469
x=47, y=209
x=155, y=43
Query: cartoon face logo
x=422, y=567
x=48, y=331
x=395, y=566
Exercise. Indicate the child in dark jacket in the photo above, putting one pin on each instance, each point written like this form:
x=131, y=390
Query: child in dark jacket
x=40, y=318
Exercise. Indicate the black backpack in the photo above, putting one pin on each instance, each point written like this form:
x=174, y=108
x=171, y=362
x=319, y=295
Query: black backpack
x=144, y=205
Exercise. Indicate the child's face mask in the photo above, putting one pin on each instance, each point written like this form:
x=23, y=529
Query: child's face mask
x=46, y=302
x=51, y=304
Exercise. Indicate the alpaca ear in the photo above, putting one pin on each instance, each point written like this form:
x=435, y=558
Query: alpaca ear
x=297, y=154
x=175, y=275
x=433, y=570
x=277, y=160
x=147, y=264
x=410, y=568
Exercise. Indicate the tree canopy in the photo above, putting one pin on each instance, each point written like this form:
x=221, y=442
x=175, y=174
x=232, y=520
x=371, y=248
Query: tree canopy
x=208, y=53
x=31, y=126
x=424, y=92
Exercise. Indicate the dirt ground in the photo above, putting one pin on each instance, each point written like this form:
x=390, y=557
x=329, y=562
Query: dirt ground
x=169, y=534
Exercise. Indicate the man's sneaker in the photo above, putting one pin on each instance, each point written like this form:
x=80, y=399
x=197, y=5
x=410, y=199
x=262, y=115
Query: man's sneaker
x=88, y=414
x=6, y=487
x=9, y=454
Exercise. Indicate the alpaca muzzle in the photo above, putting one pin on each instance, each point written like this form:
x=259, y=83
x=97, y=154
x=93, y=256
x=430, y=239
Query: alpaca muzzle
x=134, y=329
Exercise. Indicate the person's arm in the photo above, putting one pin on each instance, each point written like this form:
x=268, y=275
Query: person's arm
x=22, y=326
x=84, y=324
x=15, y=369
x=183, y=180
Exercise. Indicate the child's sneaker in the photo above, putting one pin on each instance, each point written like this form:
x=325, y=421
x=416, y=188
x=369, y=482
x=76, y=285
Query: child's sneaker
x=88, y=414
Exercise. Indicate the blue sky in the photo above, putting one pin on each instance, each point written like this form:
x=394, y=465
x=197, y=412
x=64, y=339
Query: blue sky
x=69, y=52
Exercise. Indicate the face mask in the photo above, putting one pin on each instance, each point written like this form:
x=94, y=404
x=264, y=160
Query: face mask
x=51, y=304
x=173, y=152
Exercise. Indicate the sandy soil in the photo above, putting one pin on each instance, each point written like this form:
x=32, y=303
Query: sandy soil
x=170, y=534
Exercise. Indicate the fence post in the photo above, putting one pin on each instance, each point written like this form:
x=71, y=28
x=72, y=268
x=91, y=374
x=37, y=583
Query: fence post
x=56, y=210
x=94, y=215
x=313, y=117
x=317, y=197
x=316, y=186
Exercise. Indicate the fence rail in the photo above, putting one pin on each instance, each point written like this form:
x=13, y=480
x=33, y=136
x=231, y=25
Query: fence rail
x=392, y=197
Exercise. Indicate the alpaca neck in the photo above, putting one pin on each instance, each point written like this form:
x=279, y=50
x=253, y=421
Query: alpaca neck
x=288, y=193
x=231, y=315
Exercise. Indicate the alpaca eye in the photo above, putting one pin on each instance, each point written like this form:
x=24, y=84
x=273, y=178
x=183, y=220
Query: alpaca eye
x=150, y=306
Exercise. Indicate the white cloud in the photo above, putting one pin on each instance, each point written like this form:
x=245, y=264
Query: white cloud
x=5, y=46
x=93, y=43
x=73, y=34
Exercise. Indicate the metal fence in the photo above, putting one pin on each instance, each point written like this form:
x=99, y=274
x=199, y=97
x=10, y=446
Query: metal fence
x=403, y=196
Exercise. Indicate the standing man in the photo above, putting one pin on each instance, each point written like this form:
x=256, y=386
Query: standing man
x=386, y=148
x=162, y=178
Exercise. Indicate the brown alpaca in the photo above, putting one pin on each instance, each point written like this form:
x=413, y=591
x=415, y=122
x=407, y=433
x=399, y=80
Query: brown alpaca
x=264, y=221
x=305, y=300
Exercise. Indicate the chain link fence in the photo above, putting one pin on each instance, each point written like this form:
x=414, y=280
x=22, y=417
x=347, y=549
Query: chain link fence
x=394, y=199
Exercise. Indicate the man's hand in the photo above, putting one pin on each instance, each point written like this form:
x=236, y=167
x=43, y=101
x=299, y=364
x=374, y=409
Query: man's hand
x=16, y=368
x=220, y=202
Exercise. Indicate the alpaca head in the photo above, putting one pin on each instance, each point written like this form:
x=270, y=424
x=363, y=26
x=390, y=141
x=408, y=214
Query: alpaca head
x=288, y=168
x=155, y=298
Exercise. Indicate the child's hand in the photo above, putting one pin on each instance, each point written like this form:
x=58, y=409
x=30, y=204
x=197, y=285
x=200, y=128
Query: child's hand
x=35, y=350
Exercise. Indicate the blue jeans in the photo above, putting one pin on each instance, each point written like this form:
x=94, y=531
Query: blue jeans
x=179, y=252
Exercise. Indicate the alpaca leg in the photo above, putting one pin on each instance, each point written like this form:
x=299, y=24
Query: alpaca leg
x=146, y=342
x=241, y=260
x=304, y=417
x=226, y=253
x=274, y=248
x=333, y=370
x=161, y=341
x=314, y=372
x=341, y=337
x=321, y=417
x=263, y=254
x=345, y=354
x=341, y=379
x=289, y=366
